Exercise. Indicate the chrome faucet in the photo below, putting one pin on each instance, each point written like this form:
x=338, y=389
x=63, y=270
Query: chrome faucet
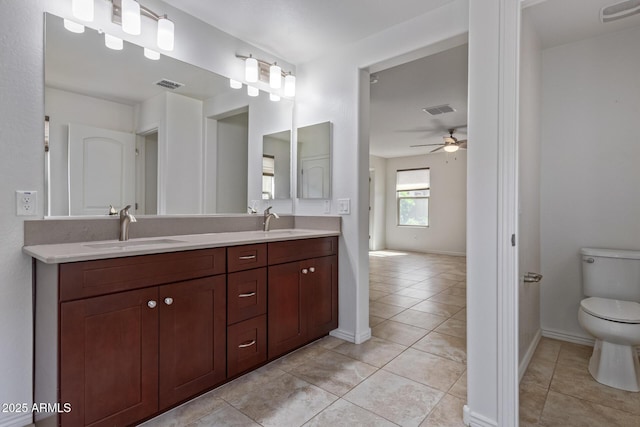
x=125, y=219
x=267, y=218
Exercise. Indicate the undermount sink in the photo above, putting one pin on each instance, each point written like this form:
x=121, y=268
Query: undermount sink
x=132, y=243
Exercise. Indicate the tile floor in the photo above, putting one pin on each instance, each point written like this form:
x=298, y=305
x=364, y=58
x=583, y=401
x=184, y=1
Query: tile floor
x=410, y=373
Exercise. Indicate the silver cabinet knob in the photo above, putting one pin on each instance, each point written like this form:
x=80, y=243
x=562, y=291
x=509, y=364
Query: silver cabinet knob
x=152, y=304
x=305, y=271
x=312, y=269
x=168, y=300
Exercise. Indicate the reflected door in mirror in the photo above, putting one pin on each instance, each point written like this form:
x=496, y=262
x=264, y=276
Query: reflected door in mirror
x=314, y=178
x=101, y=170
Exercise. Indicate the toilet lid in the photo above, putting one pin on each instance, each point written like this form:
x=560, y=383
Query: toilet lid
x=612, y=309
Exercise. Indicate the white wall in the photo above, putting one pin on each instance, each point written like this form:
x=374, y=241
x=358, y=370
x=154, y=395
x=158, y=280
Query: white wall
x=65, y=107
x=590, y=195
x=334, y=88
x=378, y=229
x=529, y=185
x=22, y=162
x=447, y=228
x=231, y=169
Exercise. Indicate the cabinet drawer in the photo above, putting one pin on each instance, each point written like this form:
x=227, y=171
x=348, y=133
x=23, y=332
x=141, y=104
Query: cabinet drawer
x=246, y=345
x=246, y=294
x=246, y=257
x=294, y=250
x=91, y=278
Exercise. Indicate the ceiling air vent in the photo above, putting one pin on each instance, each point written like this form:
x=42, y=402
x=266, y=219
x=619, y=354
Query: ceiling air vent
x=439, y=109
x=619, y=10
x=169, y=84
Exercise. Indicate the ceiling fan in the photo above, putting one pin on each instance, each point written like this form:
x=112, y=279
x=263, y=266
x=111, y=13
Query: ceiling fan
x=451, y=144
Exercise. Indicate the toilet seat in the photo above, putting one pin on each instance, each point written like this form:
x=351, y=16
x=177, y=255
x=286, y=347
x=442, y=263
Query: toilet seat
x=613, y=310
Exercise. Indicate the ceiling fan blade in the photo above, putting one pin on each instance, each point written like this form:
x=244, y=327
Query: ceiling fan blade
x=462, y=144
x=423, y=145
x=437, y=149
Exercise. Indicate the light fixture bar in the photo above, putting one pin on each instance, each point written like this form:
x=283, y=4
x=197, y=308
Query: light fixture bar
x=263, y=64
x=165, y=36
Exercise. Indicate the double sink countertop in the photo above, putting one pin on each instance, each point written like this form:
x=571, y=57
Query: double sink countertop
x=85, y=251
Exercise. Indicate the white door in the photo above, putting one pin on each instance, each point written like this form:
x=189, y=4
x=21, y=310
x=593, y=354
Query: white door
x=315, y=177
x=101, y=170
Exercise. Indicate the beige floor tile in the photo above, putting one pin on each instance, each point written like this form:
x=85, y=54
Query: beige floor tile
x=188, y=412
x=375, y=295
x=532, y=400
x=443, y=281
x=375, y=351
x=459, y=388
x=574, y=355
x=329, y=342
x=461, y=315
x=418, y=276
x=458, y=301
x=416, y=293
x=303, y=355
x=334, y=372
x=447, y=346
x=385, y=311
x=399, y=300
x=444, y=310
x=397, y=332
x=227, y=416
x=548, y=349
x=246, y=383
x=395, y=398
x=539, y=373
x=447, y=413
x=345, y=414
x=454, y=327
x=566, y=411
x=401, y=282
x=420, y=319
x=427, y=285
x=455, y=290
x=384, y=287
x=454, y=275
x=286, y=400
x=426, y=368
x=375, y=320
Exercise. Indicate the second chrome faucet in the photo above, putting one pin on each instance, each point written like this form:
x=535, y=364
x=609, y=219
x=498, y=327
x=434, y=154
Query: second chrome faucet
x=266, y=225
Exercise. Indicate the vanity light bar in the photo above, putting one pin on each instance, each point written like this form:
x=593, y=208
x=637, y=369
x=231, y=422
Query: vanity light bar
x=258, y=69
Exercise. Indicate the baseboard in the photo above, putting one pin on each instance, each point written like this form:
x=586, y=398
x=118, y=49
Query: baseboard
x=564, y=336
x=16, y=420
x=472, y=419
x=524, y=364
x=350, y=336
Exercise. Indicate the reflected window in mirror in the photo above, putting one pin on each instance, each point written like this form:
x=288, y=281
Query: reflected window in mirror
x=276, y=165
x=268, y=177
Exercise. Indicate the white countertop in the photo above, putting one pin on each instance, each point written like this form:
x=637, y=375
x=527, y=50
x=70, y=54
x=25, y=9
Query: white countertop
x=86, y=251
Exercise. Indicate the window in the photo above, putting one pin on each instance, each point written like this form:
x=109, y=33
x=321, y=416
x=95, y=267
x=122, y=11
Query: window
x=268, y=177
x=412, y=193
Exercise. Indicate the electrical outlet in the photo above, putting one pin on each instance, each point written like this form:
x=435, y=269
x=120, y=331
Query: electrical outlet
x=26, y=203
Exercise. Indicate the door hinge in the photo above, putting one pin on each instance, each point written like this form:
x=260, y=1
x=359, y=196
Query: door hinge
x=513, y=240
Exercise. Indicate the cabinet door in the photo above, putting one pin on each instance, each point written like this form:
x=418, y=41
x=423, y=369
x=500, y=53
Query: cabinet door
x=192, y=338
x=109, y=358
x=287, y=326
x=320, y=286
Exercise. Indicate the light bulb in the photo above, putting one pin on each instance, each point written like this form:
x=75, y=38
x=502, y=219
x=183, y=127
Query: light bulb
x=165, y=34
x=82, y=9
x=74, y=27
x=275, y=76
x=290, y=85
x=131, y=17
x=451, y=148
x=273, y=97
x=252, y=91
x=113, y=42
x=151, y=54
x=251, y=70
x=234, y=84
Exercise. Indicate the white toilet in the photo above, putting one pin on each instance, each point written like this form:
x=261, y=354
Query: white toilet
x=611, y=313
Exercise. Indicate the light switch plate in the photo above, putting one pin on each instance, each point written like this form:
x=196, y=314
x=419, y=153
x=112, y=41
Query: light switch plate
x=327, y=206
x=344, y=206
x=26, y=203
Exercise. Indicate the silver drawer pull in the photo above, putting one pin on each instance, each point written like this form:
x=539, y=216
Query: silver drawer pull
x=168, y=300
x=152, y=304
x=247, y=257
x=312, y=269
x=305, y=271
x=247, y=344
x=250, y=294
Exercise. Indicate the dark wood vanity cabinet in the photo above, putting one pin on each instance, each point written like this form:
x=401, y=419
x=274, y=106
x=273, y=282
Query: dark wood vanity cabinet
x=125, y=356
x=303, y=295
x=137, y=335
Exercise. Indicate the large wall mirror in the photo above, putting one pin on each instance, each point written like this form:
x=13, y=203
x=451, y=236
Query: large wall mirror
x=161, y=135
x=314, y=161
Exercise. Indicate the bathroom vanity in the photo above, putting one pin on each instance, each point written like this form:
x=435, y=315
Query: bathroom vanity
x=126, y=331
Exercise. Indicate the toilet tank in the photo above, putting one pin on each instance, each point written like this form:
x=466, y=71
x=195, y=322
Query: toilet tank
x=611, y=273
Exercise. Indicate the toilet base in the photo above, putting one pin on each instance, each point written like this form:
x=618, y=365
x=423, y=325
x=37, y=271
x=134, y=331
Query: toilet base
x=615, y=365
